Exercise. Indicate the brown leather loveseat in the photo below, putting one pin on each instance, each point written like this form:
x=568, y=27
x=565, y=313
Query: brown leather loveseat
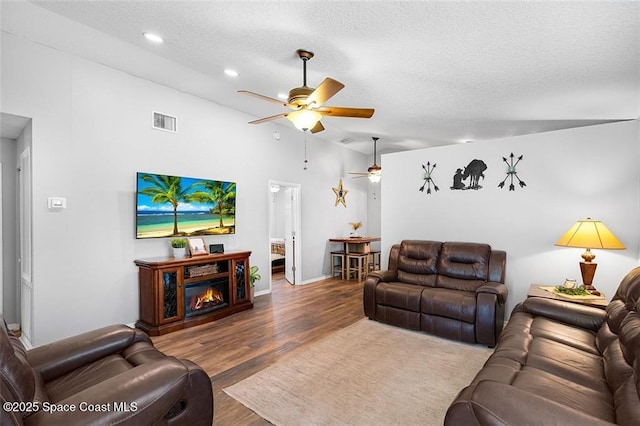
x=110, y=376
x=452, y=289
x=561, y=363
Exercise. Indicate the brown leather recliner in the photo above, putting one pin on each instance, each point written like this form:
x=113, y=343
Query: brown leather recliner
x=560, y=363
x=113, y=375
x=452, y=289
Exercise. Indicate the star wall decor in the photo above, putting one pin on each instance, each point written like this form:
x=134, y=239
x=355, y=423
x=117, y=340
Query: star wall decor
x=512, y=173
x=341, y=193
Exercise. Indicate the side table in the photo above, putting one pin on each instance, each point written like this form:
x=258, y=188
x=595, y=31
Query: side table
x=536, y=290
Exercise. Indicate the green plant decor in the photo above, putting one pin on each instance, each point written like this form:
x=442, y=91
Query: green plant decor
x=254, y=275
x=578, y=291
x=179, y=242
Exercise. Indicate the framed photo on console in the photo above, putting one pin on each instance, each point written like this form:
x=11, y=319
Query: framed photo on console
x=197, y=246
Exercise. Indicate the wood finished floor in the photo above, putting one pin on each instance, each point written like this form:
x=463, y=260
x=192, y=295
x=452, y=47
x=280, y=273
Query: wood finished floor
x=236, y=347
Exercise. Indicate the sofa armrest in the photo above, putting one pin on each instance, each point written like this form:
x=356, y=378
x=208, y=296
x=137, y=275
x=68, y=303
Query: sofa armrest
x=495, y=403
x=148, y=391
x=499, y=289
x=388, y=275
x=58, y=358
x=575, y=314
x=369, y=290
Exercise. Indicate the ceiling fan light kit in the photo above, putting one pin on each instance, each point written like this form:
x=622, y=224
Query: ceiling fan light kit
x=307, y=102
x=375, y=176
x=304, y=119
x=374, y=173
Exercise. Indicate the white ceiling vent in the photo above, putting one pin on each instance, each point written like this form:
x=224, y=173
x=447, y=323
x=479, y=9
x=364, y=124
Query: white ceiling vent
x=164, y=122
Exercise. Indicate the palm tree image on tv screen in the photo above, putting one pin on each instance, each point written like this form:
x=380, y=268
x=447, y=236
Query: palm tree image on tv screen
x=169, y=206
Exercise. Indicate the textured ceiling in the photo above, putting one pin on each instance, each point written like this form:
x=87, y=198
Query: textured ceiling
x=436, y=72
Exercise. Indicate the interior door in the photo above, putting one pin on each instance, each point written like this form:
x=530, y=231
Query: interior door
x=289, y=236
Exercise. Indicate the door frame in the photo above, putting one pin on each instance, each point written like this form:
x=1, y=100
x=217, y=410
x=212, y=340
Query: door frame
x=2, y=283
x=296, y=211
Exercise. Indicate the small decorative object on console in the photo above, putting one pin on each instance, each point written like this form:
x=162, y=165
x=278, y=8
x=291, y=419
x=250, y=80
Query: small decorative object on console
x=355, y=226
x=197, y=246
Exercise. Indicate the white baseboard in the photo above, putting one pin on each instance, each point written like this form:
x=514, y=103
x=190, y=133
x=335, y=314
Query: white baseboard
x=26, y=343
x=313, y=280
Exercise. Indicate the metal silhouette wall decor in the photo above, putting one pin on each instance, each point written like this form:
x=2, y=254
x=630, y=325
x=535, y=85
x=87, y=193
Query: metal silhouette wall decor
x=512, y=173
x=428, y=180
x=341, y=193
x=474, y=171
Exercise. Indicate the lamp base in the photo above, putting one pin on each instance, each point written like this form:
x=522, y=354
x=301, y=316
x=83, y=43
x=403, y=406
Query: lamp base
x=588, y=270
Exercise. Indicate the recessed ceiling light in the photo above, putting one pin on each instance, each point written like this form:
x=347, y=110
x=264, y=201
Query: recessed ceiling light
x=153, y=37
x=231, y=73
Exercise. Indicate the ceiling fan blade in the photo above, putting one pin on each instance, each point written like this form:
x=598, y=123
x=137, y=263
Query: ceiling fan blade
x=326, y=90
x=317, y=128
x=332, y=111
x=359, y=173
x=264, y=98
x=265, y=119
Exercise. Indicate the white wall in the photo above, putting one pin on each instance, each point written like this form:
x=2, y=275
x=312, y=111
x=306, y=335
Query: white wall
x=92, y=133
x=570, y=175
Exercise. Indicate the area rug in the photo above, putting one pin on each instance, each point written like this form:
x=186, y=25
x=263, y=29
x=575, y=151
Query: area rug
x=368, y=373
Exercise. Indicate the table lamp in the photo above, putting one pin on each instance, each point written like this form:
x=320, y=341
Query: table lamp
x=589, y=234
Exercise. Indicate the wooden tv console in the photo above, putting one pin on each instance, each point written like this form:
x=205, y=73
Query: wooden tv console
x=164, y=280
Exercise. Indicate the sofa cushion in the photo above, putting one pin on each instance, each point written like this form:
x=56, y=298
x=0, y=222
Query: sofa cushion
x=399, y=295
x=566, y=392
x=86, y=376
x=443, y=302
x=463, y=266
x=417, y=262
x=567, y=335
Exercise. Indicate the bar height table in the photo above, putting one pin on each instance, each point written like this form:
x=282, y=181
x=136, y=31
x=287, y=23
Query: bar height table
x=355, y=249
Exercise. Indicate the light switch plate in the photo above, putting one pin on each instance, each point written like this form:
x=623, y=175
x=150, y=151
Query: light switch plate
x=57, y=203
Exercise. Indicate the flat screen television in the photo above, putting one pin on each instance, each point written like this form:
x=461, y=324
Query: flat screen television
x=175, y=206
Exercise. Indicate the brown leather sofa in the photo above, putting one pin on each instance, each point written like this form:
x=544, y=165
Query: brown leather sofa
x=452, y=289
x=110, y=376
x=561, y=363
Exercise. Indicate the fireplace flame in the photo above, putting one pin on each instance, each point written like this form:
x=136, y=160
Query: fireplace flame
x=209, y=297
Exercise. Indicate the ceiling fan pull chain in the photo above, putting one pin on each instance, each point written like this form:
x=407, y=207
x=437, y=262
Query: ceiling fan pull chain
x=305, y=151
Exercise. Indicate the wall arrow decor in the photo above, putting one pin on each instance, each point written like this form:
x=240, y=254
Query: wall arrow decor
x=428, y=180
x=512, y=173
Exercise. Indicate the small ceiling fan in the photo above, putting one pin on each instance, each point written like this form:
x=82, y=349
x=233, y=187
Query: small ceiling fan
x=374, y=173
x=307, y=103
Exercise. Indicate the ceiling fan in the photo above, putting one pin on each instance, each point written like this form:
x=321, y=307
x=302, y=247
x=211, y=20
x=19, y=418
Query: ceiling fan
x=374, y=173
x=307, y=103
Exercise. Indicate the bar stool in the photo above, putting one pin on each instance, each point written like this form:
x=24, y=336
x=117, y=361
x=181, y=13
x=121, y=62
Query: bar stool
x=357, y=264
x=374, y=261
x=338, y=263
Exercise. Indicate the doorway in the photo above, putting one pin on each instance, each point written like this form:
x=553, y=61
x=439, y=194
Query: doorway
x=285, y=232
x=15, y=191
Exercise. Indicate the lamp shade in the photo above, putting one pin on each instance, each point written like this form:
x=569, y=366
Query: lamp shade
x=304, y=119
x=590, y=234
